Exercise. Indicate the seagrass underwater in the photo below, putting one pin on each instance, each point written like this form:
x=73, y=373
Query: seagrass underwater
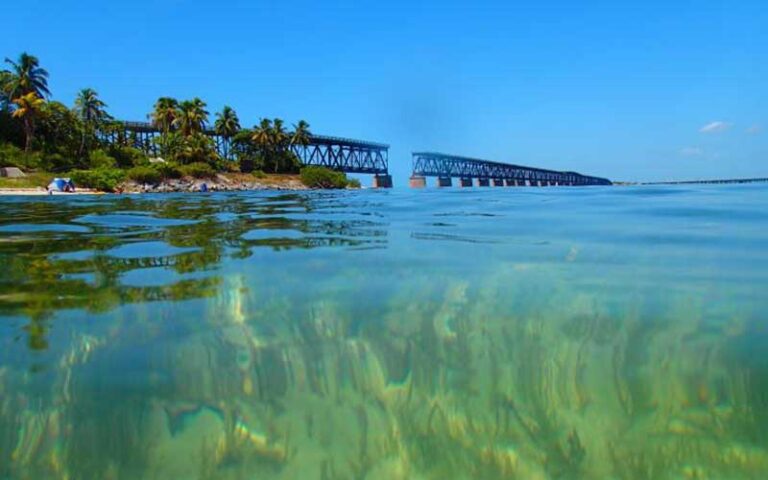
x=534, y=333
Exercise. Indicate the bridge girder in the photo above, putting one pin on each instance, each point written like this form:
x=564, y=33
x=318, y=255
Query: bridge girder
x=343, y=154
x=430, y=164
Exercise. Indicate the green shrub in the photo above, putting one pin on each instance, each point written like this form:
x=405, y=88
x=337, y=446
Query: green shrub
x=248, y=162
x=353, y=183
x=13, y=156
x=143, y=174
x=259, y=174
x=198, y=170
x=167, y=170
x=127, y=157
x=57, y=162
x=105, y=179
x=10, y=155
x=99, y=159
x=229, y=166
x=321, y=177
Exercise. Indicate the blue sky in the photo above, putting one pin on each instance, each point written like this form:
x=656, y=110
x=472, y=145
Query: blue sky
x=629, y=90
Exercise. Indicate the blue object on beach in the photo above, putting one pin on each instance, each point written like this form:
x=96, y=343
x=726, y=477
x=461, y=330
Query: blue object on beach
x=61, y=185
x=204, y=187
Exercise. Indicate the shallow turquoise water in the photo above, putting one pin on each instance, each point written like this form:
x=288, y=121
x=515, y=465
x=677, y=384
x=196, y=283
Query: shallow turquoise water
x=496, y=333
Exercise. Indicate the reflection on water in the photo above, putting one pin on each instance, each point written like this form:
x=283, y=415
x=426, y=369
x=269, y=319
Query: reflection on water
x=510, y=333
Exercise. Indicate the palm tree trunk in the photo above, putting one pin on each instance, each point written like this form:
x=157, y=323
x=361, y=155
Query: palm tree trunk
x=29, y=132
x=82, y=144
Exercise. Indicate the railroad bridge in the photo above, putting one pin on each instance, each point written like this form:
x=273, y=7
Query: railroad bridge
x=342, y=154
x=485, y=173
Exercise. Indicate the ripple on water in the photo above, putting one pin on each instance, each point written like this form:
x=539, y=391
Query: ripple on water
x=86, y=277
x=148, y=249
x=272, y=234
x=119, y=220
x=76, y=256
x=43, y=227
x=156, y=277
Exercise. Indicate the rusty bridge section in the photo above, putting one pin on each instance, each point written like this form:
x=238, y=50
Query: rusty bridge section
x=342, y=154
x=484, y=172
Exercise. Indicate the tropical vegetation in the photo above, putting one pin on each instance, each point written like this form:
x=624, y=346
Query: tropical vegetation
x=39, y=134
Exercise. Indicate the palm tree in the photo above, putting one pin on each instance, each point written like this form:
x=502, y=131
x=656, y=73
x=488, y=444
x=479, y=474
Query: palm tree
x=165, y=113
x=280, y=141
x=90, y=108
x=26, y=77
x=301, y=134
x=227, y=125
x=92, y=111
x=5, y=85
x=192, y=116
x=262, y=135
x=279, y=135
x=27, y=108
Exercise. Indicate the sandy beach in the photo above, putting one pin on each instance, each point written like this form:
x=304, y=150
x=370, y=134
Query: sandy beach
x=42, y=191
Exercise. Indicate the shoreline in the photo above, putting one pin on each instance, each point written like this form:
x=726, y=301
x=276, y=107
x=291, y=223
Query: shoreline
x=220, y=183
x=40, y=191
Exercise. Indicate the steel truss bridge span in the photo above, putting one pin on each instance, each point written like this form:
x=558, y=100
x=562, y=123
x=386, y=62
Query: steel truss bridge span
x=430, y=164
x=342, y=154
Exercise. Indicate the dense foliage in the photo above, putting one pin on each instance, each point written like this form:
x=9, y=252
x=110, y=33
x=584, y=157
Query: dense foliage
x=38, y=133
x=145, y=174
x=198, y=170
x=105, y=179
x=321, y=177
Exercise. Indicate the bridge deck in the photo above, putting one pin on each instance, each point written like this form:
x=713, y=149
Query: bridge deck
x=443, y=165
x=343, y=154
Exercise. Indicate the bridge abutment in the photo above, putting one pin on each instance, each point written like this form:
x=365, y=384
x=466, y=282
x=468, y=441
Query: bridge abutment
x=382, y=181
x=444, y=182
x=417, y=181
x=483, y=182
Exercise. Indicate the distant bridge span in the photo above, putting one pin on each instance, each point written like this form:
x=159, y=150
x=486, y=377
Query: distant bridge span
x=713, y=181
x=444, y=167
x=342, y=154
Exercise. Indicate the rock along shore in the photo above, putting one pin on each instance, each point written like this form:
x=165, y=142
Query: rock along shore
x=220, y=183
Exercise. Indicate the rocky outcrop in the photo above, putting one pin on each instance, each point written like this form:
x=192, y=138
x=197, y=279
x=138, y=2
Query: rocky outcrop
x=218, y=184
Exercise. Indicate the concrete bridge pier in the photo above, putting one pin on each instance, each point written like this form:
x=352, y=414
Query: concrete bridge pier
x=382, y=181
x=498, y=182
x=444, y=182
x=482, y=182
x=417, y=181
x=465, y=182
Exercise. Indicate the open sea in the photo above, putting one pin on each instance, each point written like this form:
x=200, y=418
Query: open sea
x=531, y=333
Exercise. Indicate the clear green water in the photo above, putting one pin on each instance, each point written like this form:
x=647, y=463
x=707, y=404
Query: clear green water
x=501, y=333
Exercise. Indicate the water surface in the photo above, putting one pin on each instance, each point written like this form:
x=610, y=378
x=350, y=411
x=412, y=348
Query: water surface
x=537, y=333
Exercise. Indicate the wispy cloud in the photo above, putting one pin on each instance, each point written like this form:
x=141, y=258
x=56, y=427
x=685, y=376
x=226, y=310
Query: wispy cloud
x=715, y=127
x=691, y=152
x=754, y=129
